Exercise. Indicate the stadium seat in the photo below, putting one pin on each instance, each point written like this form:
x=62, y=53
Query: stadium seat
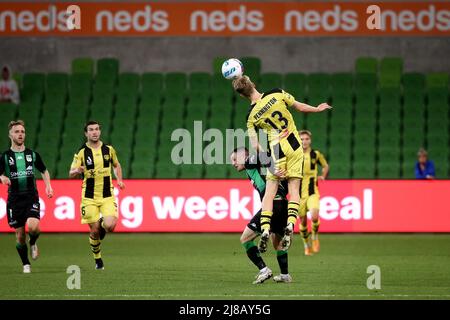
x=391, y=69
x=102, y=113
x=200, y=82
x=29, y=113
x=8, y=113
x=363, y=170
x=175, y=82
x=83, y=65
x=199, y=98
x=108, y=67
x=295, y=84
x=391, y=65
x=76, y=115
x=192, y=171
x=366, y=110
x=388, y=80
x=366, y=83
x=437, y=80
x=216, y=171
x=33, y=87
x=342, y=82
x=152, y=82
x=408, y=169
x=437, y=98
x=317, y=122
x=18, y=78
x=252, y=67
x=142, y=169
x=151, y=100
x=389, y=96
x=80, y=88
x=341, y=125
x=217, y=65
x=413, y=81
x=318, y=86
x=413, y=136
x=56, y=87
x=340, y=170
x=166, y=170
x=413, y=100
x=388, y=169
x=366, y=65
x=128, y=82
x=269, y=81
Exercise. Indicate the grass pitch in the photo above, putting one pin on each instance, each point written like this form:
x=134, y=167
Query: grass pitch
x=215, y=266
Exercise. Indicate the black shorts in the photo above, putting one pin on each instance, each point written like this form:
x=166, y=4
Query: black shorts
x=21, y=207
x=279, y=218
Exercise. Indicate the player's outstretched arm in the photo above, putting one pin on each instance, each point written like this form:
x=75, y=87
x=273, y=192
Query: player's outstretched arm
x=118, y=173
x=303, y=107
x=48, y=186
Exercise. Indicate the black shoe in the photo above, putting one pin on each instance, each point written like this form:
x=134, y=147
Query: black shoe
x=99, y=264
x=102, y=230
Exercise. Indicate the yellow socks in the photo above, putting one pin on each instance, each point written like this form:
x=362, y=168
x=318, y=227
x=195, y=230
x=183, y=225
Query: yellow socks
x=266, y=217
x=304, y=233
x=292, y=212
x=95, y=247
x=315, y=229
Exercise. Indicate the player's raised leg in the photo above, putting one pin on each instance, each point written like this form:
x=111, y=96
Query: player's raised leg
x=107, y=224
x=109, y=220
x=33, y=232
x=247, y=241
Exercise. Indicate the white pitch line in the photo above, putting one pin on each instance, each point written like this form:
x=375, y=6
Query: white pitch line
x=231, y=296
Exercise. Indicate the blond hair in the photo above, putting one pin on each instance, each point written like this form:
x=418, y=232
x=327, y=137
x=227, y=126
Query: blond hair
x=305, y=132
x=243, y=85
x=422, y=152
x=16, y=123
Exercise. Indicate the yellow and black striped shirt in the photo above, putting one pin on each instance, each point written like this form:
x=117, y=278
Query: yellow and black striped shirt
x=97, y=179
x=311, y=160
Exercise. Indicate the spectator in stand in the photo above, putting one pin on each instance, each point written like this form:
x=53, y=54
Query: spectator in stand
x=424, y=167
x=9, y=91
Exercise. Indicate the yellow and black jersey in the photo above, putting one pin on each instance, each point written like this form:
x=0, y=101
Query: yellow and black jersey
x=97, y=179
x=311, y=160
x=271, y=114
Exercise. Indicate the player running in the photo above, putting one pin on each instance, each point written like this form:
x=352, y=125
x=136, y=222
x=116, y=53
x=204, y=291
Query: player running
x=252, y=165
x=93, y=161
x=17, y=171
x=268, y=111
x=310, y=192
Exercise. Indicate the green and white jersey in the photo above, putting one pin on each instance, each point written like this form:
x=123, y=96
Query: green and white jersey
x=19, y=168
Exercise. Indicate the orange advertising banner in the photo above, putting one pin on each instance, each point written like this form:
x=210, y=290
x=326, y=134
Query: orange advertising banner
x=225, y=19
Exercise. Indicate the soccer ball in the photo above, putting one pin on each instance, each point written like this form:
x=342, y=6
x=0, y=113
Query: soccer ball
x=232, y=68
